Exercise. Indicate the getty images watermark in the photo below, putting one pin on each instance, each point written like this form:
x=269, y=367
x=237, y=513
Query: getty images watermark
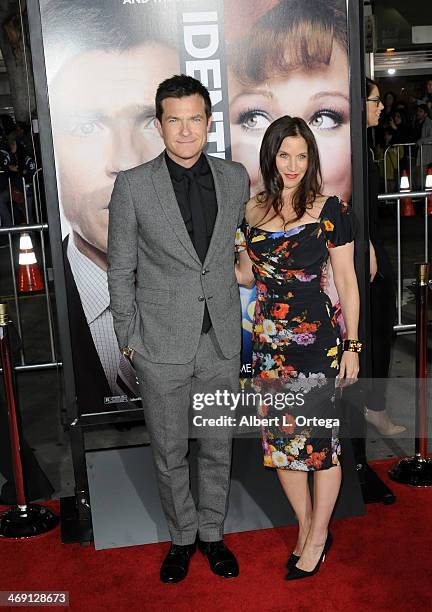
x=262, y=403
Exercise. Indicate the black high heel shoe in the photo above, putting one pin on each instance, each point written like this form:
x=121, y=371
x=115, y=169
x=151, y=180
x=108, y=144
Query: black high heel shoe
x=295, y=573
x=292, y=560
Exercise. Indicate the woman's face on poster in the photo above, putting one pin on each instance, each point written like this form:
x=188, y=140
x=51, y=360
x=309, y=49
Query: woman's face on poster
x=319, y=96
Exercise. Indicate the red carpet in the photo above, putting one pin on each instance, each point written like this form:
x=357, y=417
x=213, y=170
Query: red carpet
x=381, y=561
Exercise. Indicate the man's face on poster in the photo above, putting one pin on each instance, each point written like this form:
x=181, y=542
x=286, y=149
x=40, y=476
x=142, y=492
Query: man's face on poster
x=103, y=123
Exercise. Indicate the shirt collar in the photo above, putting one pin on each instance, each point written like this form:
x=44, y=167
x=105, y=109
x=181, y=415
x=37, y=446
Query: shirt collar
x=91, y=282
x=177, y=171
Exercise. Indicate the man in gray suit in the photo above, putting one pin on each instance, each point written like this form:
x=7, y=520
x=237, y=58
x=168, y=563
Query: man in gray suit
x=176, y=309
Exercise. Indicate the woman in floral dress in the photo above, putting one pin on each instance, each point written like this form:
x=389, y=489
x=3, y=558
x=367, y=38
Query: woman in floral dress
x=289, y=232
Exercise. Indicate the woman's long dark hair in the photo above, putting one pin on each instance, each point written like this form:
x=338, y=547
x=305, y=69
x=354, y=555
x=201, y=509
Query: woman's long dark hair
x=370, y=84
x=310, y=185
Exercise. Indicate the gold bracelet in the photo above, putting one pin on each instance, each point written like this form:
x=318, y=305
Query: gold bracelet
x=353, y=346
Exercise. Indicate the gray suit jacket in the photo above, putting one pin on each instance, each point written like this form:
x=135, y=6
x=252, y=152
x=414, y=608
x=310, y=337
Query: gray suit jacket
x=157, y=284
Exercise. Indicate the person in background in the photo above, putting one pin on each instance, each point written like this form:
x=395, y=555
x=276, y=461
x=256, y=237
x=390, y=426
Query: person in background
x=424, y=153
x=21, y=169
x=389, y=104
x=390, y=162
x=401, y=134
x=28, y=173
x=382, y=292
x=427, y=98
x=22, y=134
x=5, y=203
x=3, y=137
x=7, y=125
x=399, y=125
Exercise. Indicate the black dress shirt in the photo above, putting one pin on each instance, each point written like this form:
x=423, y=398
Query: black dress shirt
x=196, y=196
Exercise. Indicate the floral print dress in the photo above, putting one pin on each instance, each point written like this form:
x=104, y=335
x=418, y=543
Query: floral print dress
x=296, y=341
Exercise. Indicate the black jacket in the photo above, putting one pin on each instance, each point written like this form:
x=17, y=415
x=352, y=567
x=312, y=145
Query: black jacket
x=384, y=266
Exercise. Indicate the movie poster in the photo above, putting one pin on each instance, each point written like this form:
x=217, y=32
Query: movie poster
x=260, y=59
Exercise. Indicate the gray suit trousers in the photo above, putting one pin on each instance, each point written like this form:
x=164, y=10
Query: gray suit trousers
x=167, y=391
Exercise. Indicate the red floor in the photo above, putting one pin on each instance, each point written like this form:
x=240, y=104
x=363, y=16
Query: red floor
x=380, y=561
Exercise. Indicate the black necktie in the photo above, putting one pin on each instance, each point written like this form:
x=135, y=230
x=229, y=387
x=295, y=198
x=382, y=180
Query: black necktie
x=197, y=213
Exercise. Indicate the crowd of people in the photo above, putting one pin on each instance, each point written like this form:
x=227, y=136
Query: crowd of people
x=17, y=168
x=404, y=121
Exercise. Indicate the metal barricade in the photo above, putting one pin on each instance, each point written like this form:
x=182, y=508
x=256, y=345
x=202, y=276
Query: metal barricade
x=405, y=150
x=38, y=229
x=398, y=196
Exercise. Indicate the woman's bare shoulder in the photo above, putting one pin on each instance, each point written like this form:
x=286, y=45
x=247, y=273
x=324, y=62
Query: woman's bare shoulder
x=321, y=199
x=318, y=204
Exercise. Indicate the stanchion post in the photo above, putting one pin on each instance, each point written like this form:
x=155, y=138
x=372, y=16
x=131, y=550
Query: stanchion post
x=9, y=387
x=417, y=470
x=421, y=358
x=24, y=520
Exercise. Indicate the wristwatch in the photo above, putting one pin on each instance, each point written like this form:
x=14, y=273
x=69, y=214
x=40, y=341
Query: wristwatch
x=127, y=351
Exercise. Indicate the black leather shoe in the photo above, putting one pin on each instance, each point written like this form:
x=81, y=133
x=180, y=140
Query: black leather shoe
x=295, y=573
x=221, y=559
x=176, y=564
x=292, y=560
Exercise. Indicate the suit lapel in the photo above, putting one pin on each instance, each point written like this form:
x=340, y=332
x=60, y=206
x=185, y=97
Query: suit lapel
x=165, y=192
x=221, y=198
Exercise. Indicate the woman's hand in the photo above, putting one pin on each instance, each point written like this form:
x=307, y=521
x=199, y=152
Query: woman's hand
x=348, y=369
x=243, y=270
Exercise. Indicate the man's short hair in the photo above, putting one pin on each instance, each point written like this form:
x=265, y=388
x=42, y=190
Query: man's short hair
x=424, y=108
x=180, y=86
